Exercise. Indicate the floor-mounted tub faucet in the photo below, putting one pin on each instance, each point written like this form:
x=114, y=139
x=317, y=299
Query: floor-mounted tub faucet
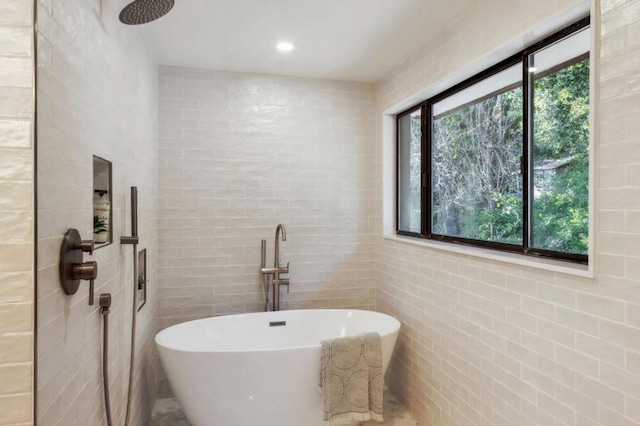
x=274, y=273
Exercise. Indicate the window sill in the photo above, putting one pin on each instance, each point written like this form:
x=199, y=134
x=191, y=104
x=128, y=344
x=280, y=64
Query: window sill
x=516, y=259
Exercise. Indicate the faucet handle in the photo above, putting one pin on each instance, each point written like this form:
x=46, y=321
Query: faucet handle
x=86, y=246
x=281, y=281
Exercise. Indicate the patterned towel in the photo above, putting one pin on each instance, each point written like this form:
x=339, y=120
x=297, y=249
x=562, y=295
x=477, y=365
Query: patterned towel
x=351, y=378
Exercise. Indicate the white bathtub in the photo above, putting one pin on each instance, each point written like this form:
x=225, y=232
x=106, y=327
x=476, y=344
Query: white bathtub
x=237, y=370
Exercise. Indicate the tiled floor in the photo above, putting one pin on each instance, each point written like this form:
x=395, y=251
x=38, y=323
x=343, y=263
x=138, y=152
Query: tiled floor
x=167, y=412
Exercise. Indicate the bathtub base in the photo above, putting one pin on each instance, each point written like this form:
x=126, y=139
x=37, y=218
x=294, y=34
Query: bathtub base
x=224, y=372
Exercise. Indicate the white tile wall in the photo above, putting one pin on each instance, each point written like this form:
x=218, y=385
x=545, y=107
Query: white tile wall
x=97, y=95
x=240, y=153
x=482, y=342
x=487, y=343
x=16, y=213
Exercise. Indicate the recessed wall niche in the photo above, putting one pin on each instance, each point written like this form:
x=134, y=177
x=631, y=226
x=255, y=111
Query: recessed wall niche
x=102, y=217
x=142, y=278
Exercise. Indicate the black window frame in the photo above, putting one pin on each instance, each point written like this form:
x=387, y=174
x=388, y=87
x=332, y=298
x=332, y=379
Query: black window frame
x=521, y=57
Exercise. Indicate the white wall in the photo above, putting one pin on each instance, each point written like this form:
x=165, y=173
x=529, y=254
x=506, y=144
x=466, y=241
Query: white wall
x=489, y=343
x=97, y=95
x=240, y=153
x=16, y=212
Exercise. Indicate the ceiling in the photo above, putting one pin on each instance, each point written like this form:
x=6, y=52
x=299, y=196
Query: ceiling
x=359, y=40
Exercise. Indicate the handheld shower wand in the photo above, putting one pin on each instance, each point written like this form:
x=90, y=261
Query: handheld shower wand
x=133, y=240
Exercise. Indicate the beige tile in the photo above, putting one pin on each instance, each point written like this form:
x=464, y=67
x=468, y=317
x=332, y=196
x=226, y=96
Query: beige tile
x=583, y=405
x=557, y=409
x=620, y=379
x=577, y=361
x=633, y=362
x=16, y=102
x=16, y=379
x=604, y=351
x=611, y=220
x=15, y=409
x=16, y=257
x=16, y=287
x=609, y=417
x=633, y=408
x=611, y=265
x=632, y=268
x=16, y=317
x=633, y=222
x=539, y=308
x=16, y=226
x=16, y=12
x=16, y=42
x=605, y=394
x=16, y=164
x=16, y=196
x=576, y=320
x=632, y=316
x=620, y=334
x=15, y=134
x=601, y=306
x=16, y=72
x=16, y=348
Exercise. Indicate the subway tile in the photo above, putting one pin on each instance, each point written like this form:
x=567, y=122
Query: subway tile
x=16, y=13
x=601, y=306
x=16, y=226
x=612, y=418
x=581, y=322
x=16, y=164
x=15, y=133
x=577, y=361
x=16, y=42
x=16, y=348
x=16, y=409
x=16, y=287
x=620, y=379
x=620, y=334
x=16, y=257
x=16, y=102
x=604, y=351
x=16, y=379
x=539, y=308
x=16, y=72
x=583, y=406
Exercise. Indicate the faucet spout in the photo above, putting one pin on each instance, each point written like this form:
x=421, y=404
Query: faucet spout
x=280, y=231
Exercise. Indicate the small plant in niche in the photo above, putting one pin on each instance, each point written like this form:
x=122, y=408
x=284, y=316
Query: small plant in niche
x=100, y=229
x=141, y=281
x=101, y=213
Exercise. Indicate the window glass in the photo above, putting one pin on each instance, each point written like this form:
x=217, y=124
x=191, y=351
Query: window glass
x=560, y=155
x=507, y=155
x=410, y=172
x=476, y=149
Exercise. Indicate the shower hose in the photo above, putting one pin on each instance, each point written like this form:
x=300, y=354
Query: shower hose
x=105, y=304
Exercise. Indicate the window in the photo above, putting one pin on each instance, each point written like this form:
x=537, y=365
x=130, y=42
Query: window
x=502, y=160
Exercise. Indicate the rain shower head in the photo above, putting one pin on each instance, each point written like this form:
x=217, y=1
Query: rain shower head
x=144, y=11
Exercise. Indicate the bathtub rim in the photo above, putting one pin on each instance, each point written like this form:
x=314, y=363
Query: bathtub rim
x=396, y=324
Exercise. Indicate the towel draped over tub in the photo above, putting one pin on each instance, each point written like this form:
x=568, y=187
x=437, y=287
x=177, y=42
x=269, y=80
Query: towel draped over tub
x=351, y=378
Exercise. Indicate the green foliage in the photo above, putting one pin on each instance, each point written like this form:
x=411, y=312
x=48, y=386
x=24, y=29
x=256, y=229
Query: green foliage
x=502, y=224
x=476, y=181
x=561, y=211
x=141, y=281
x=99, y=225
x=476, y=169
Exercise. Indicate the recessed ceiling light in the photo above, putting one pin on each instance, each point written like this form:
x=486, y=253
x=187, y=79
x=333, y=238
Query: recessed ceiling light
x=285, y=46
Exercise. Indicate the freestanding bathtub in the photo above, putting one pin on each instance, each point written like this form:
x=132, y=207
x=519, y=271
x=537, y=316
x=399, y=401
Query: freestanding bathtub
x=239, y=370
